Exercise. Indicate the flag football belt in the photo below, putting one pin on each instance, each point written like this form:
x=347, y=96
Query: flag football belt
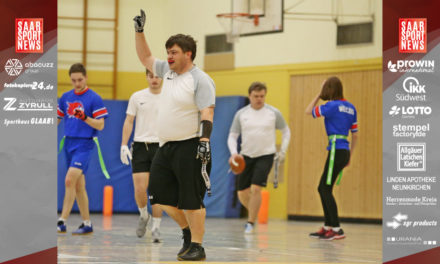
x=101, y=159
x=332, y=139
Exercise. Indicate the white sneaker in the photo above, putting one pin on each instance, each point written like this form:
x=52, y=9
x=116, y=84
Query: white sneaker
x=155, y=235
x=142, y=226
x=248, y=228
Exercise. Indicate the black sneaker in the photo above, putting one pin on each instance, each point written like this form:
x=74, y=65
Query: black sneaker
x=186, y=241
x=319, y=233
x=195, y=253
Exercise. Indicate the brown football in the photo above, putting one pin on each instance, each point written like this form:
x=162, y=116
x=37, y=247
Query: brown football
x=237, y=165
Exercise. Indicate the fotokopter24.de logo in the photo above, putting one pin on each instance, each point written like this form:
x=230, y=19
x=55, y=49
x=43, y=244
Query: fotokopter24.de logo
x=412, y=35
x=29, y=35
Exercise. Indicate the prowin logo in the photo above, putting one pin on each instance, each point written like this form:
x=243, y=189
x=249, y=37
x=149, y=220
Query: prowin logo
x=13, y=67
x=410, y=111
x=411, y=66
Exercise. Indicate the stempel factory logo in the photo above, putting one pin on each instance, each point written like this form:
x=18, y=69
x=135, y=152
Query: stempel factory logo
x=412, y=35
x=29, y=35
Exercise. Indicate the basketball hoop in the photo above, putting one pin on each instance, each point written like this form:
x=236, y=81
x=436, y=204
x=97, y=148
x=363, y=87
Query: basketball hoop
x=232, y=23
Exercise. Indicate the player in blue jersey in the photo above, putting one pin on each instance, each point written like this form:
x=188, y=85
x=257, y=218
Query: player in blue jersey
x=83, y=112
x=340, y=117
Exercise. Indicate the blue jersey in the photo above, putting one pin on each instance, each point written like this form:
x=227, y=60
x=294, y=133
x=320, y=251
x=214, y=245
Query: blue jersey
x=340, y=118
x=87, y=100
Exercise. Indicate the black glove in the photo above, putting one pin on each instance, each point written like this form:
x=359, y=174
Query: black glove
x=139, y=22
x=204, y=151
x=79, y=113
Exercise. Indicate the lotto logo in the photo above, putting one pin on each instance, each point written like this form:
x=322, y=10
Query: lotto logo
x=29, y=35
x=412, y=35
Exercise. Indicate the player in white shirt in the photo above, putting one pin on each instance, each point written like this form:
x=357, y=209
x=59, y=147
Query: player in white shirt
x=186, y=112
x=256, y=123
x=143, y=105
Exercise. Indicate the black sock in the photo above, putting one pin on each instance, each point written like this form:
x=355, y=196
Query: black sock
x=195, y=244
x=251, y=223
x=186, y=233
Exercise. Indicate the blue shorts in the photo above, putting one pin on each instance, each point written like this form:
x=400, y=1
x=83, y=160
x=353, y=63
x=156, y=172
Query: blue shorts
x=78, y=151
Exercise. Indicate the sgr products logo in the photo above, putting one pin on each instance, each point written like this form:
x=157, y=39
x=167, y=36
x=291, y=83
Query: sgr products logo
x=412, y=35
x=410, y=111
x=29, y=35
x=411, y=66
x=13, y=67
x=414, y=91
x=27, y=104
x=411, y=131
x=411, y=156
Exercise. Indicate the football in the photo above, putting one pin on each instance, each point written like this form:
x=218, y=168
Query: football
x=237, y=165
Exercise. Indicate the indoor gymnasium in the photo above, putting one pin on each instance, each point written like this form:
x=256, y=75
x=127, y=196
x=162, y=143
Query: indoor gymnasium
x=278, y=55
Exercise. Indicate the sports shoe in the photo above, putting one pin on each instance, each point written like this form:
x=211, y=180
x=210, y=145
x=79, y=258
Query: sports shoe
x=142, y=226
x=156, y=235
x=186, y=241
x=83, y=230
x=61, y=227
x=318, y=234
x=195, y=253
x=330, y=235
x=248, y=228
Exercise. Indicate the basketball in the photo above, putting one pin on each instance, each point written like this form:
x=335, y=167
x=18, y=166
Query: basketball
x=237, y=165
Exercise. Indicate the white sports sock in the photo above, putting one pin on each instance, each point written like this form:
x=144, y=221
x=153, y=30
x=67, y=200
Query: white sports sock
x=336, y=229
x=62, y=219
x=87, y=223
x=144, y=212
x=156, y=223
x=327, y=227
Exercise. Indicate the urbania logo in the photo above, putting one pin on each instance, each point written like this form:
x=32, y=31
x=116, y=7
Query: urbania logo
x=414, y=91
x=13, y=67
x=411, y=66
x=409, y=111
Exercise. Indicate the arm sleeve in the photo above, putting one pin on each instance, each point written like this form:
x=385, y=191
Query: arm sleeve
x=354, y=125
x=285, y=139
x=204, y=92
x=60, y=108
x=236, y=126
x=99, y=110
x=325, y=110
x=232, y=142
x=131, y=108
x=280, y=123
x=160, y=67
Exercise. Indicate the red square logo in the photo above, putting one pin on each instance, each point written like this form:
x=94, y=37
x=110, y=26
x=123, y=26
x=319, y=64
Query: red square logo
x=29, y=35
x=412, y=35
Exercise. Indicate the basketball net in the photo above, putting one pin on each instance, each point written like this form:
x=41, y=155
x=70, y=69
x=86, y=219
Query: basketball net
x=233, y=23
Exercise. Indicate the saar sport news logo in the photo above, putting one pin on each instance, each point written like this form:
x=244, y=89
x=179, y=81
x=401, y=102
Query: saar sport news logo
x=410, y=111
x=14, y=67
x=29, y=35
x=412, y=35
x=411, y=66
x=414, y=91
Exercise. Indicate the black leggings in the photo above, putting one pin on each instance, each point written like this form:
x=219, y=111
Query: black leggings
x=342, y=156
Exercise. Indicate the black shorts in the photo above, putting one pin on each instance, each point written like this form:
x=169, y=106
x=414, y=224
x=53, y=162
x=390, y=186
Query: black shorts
x=176, y=178
x=143, y=154
x=256, y=171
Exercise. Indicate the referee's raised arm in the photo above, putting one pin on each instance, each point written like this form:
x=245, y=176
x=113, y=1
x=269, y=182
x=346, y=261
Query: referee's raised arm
x=142, y=49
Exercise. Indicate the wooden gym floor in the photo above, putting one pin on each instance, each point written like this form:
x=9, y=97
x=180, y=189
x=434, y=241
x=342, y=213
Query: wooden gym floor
x=114, y=241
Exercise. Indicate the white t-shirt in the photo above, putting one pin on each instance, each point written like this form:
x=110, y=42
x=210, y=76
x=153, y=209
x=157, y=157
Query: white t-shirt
x=182, y=98
x=144, y=106
x=257, y=129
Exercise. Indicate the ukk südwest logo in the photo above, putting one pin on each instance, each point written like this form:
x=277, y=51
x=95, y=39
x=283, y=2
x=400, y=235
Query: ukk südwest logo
x=29, y=35
x=412, y=35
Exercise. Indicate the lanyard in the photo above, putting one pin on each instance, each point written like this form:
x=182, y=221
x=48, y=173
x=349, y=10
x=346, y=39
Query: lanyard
x=101, y=159
x=332, y=139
